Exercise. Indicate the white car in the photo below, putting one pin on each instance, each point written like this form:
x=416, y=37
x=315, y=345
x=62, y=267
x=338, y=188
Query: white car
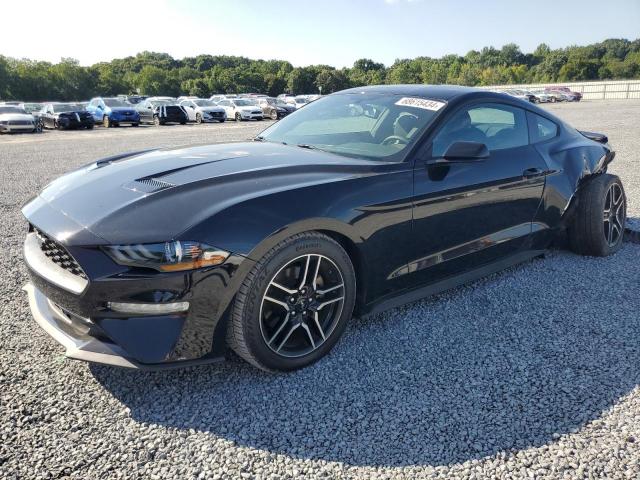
x=542, y=96
x=200, y=110
x=241, y=109
x=16, y=119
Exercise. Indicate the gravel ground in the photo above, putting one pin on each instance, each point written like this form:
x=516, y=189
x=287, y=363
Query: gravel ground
x=531, y=373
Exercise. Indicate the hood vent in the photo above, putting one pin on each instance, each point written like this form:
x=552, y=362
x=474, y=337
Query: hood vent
x=148, y=185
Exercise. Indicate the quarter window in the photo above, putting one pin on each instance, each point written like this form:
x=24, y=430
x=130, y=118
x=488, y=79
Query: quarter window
x=497, y=126
x=542, y=128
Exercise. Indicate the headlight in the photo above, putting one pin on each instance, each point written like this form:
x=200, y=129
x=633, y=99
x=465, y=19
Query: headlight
x=3, y=122
x=168, y=256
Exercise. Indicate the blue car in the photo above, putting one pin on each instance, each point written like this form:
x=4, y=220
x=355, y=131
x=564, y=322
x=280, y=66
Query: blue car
x=112, y=112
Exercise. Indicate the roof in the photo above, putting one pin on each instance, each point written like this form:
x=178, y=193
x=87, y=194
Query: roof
x=443, y=92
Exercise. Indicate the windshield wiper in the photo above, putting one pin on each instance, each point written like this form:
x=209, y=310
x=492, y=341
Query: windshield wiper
x=306, y=145
x=259, y=138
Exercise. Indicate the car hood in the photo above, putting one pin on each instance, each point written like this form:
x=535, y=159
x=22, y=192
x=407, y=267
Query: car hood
x=15, y=116
x=212, y=109
x=249, y=108
x=157, y=195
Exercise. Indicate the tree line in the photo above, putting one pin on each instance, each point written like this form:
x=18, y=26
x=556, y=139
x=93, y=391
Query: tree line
x=151, y=73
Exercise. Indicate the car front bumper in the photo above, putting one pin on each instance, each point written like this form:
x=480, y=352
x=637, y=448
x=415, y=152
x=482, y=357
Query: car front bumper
x=66, y=122
x=251, y=116
x=17, y=128
x=120, y=118
x=75, y=311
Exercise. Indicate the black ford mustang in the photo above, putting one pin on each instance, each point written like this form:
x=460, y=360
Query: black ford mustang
x=65, y=115
x=358, y=202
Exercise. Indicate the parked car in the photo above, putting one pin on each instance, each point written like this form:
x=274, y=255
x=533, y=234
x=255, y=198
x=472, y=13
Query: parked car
x=161, y=110
x=65, y=116
x=113, y=112
x=298, y=101
x=132, y=99
x=274, y=108
x=165, y=258
x=241, y=109
x=16, y=119
x=219, y=97
x=521, y=95
x=572, y=96
x=200, y=110
x=541, y=96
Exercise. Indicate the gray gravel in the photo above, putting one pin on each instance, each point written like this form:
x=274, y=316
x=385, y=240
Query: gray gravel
x=531, y=373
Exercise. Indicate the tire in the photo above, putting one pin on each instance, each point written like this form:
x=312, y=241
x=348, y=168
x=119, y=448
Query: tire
x=106, y=123
x=238, y=117
x=198, y=118
x=597, y=227
x=135, y=124
x=183, y=123
x=221, y=121
x=553, y=99
x=274, y=115
x=156, y=121
x=248, y=329
x=89, y=127
x=56, y=126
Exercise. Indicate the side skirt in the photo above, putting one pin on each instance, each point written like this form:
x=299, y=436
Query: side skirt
x=449, y=283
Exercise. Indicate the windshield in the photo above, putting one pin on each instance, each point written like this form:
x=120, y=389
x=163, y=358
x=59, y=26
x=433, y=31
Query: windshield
x=32, y=107
x=11, y=110
x=204, y=103
x=302, y=100
x=66, y=107
x=115, y=102
x=244, y=103
x=157, y=103
x=371, y=126
x=281, y=103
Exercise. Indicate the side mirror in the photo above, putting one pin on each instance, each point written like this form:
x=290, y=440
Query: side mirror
x=466, y=152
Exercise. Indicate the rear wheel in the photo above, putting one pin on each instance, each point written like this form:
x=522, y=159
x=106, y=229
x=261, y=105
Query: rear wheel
x=156, y=121
x=274, y=115
x=294, y=304
x=135, y=124
x=222, y=121
x=598, y=225
x=89, y=127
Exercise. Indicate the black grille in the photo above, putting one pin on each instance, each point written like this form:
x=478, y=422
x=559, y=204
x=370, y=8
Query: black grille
x=20, y=122
x=59, y=255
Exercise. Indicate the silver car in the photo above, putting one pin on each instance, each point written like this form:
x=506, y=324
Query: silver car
x=16, y=119
x=200, y=110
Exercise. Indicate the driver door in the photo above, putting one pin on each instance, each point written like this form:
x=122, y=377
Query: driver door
x=475, y=212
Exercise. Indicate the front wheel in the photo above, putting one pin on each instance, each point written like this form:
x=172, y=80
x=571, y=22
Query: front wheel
x=238, y=117
x=198, y=118
x=274, y=115
x=156, y=121
x=106, y=122
x=294, y=304
x=222, y=121
x=597, y=228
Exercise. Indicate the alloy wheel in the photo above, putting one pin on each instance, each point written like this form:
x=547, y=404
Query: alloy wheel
x=614, y=215
x=302, y=305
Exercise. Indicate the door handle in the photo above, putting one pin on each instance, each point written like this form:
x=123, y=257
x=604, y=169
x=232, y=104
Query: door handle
x=533, y=173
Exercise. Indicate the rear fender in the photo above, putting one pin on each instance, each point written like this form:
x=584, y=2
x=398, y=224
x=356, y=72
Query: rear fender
x=571, y=165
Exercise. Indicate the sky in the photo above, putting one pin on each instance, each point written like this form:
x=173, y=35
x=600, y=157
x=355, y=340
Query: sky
x=304, y=32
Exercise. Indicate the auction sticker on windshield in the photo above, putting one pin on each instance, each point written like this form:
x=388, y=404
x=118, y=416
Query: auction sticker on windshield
x=420, y=103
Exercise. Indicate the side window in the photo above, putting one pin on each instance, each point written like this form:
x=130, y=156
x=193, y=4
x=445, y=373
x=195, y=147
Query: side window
x=497, y=126
x=541, y=128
